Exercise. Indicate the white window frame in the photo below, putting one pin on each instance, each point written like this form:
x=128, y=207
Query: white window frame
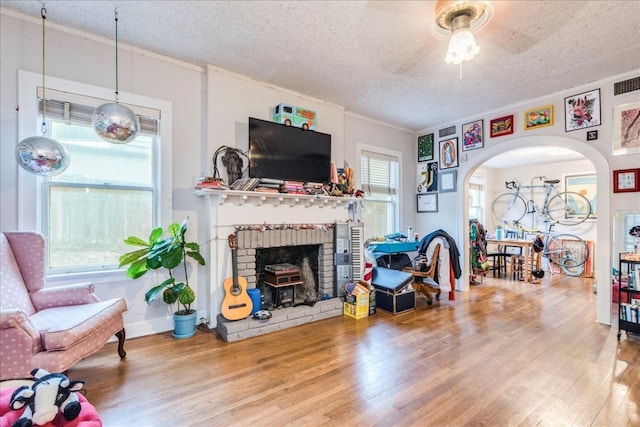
x=360, y=148
x=483, y=177
x=31, y=201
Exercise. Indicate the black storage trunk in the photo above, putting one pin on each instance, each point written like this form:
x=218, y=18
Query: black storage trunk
x=391, y=290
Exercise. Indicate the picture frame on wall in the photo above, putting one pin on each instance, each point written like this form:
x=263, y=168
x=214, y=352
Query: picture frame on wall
x=538, y=117
x=425, y=148
x=582, y=111
x=448, y=182
x=473, y=135
x=449, y=153
x=427, y=177
x=626, y=180
x=585, y=184
x=501, y=126
x=427, y=202
x=626, y=129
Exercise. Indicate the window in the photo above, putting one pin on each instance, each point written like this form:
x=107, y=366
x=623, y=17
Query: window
x=379, y=180
x=108, y=192
x=476, y=198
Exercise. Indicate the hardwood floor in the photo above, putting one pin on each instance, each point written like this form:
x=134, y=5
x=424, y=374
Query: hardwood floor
x=505, y=353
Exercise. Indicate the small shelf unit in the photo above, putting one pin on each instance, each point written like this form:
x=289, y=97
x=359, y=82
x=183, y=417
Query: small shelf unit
x=625, y=325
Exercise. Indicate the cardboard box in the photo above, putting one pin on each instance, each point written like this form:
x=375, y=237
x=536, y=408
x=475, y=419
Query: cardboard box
x=356, y=303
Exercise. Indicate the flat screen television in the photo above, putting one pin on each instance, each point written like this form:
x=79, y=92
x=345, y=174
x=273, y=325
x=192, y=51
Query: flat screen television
x=289, y=153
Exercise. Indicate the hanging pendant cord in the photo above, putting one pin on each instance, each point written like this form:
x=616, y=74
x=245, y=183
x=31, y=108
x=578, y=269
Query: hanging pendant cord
x=43, y=13
x=117, y=94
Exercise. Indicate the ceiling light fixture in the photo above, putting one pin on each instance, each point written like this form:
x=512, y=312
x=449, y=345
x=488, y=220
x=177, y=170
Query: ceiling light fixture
x=114, y=122
x=458, y=16
x=40, y=155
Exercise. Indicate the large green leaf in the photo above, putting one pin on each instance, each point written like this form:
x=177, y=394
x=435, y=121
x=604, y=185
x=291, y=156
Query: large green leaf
x=170, y=296
x=154, y=292
x=197, y=257
x=186, y=296
x=137, y=269
x=172, y=258
x=155, y=234
x=135, y=241
x=130, y=257
x=173, y=230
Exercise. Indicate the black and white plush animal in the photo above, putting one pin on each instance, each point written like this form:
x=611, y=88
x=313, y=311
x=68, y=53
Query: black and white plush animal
x=49, y=394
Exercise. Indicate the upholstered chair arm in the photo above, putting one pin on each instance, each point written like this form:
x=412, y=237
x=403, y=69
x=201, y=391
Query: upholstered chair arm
x=61, y=296
x=17, y=329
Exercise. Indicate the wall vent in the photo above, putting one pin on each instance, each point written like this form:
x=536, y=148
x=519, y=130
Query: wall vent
x=451, y=130
x=626, y=86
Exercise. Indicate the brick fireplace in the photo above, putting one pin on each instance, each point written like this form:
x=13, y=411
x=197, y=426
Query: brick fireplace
x=309, y=247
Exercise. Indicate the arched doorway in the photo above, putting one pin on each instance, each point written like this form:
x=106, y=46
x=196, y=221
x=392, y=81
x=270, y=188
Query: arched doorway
x=603, y=222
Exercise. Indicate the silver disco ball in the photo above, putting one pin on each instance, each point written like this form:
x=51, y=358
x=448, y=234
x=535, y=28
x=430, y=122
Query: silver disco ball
x=42, y=156
x=116, y=123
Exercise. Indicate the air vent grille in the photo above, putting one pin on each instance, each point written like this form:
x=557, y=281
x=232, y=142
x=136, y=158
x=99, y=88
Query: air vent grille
x=451, y=130
x=626, y=86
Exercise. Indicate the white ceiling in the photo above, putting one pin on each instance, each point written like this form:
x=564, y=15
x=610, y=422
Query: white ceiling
x=380, y=59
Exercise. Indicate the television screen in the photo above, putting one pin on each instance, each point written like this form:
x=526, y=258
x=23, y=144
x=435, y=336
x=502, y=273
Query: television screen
x=288, y=153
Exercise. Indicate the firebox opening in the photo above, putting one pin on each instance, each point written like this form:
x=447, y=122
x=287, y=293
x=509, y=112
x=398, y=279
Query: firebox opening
x=305, y=258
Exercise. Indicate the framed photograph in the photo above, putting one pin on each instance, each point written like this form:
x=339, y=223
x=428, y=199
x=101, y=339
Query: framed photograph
x=626, y=129
x=501, y=126
x=626, y=180
x=582, y=111
x=428, y=202
x=472, y=135
x=592, y=135
x=427, y=177
x=538, y=117
x=448, y=181
x=425, y=148
x=449, y=153
x=584, y=184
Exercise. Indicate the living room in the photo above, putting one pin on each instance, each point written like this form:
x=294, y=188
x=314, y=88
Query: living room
x=204, y=107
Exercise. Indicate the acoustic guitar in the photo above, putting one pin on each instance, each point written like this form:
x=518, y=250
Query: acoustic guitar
x=236, y=304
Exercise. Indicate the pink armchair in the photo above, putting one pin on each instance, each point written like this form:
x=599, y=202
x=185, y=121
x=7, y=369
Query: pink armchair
x=48, y=328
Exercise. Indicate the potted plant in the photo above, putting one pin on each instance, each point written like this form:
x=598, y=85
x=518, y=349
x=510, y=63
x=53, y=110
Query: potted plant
x=170, y=251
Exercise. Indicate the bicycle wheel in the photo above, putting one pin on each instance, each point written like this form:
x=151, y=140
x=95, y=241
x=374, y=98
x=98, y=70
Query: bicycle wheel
x=509, y=207
x=567, y=246
x=570, y=267
x=568, y=208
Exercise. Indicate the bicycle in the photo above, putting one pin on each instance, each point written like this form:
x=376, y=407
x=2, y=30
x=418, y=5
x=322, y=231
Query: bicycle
x=569, y=252
x=561, y=207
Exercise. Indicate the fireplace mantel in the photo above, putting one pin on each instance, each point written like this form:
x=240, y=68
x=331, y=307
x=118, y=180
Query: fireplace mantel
x=236, y=197
x=226, y=209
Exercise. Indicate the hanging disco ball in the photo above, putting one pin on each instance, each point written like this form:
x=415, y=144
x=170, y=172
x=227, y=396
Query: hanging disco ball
x=42, y=156
x=116, y=123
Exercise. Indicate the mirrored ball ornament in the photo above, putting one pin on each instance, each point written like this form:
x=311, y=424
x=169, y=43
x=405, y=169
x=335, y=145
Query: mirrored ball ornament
x=42, y=156
x=116, y=123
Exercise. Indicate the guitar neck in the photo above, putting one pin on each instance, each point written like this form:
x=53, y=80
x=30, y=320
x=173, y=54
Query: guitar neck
x=234, y=269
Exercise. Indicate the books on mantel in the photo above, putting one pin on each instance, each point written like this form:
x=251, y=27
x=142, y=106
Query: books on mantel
x=293, y=187
x=245, y=184
x=313, y=188
x=211, y=183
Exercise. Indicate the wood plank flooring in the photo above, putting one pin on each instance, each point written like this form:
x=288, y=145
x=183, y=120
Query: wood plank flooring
x=507, y=353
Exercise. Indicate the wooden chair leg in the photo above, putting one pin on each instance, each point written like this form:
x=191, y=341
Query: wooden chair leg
x=121, y=336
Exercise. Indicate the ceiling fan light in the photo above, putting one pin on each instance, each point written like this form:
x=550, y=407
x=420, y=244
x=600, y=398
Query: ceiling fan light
x=462, y=47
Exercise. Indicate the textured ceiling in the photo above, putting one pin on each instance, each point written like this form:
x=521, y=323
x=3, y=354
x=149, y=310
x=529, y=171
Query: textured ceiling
x=380, y=59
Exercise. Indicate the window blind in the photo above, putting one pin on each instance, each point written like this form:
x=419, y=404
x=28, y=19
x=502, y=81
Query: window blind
x=78, y=109
x=379, y=173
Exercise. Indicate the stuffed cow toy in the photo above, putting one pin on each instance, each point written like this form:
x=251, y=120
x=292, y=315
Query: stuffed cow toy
x=49, y=394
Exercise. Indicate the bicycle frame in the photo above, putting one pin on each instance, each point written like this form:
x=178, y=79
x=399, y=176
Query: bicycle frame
x=532, y=207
